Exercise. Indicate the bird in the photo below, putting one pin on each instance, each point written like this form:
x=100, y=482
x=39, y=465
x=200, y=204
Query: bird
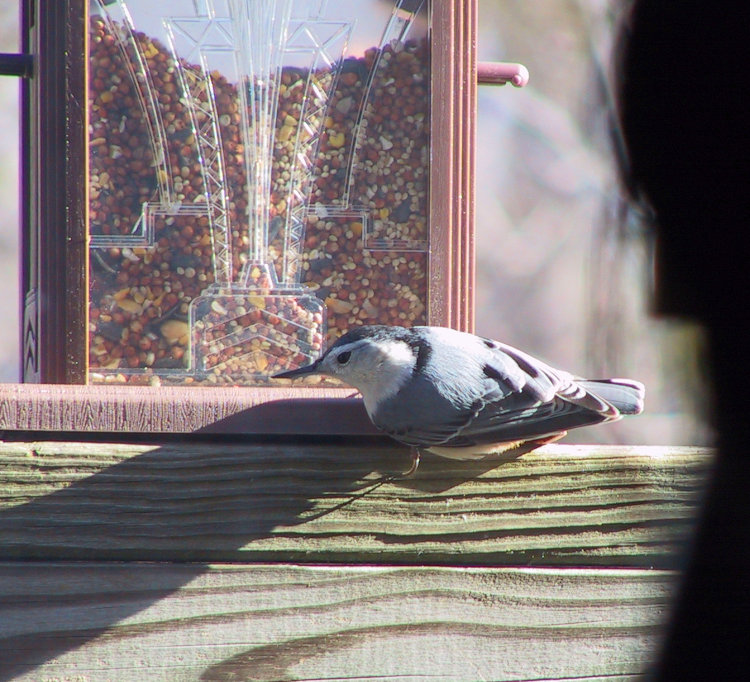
x=462, y=396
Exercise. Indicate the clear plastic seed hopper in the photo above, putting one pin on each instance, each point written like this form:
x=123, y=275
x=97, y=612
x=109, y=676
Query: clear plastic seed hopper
x=251, y=184
x=262, y=319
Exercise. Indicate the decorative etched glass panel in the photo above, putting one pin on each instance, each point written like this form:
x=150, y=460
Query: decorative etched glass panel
x=258, y=176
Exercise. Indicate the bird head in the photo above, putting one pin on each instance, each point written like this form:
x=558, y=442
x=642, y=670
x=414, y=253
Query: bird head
x=376, y=360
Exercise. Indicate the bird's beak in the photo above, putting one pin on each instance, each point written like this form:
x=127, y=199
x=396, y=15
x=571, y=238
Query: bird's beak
x=299, y=372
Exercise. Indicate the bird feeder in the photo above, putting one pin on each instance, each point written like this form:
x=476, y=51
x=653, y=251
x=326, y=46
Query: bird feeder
x=218, y=188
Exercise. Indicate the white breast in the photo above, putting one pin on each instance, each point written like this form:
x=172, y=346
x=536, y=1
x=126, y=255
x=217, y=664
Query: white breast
x=475, y=451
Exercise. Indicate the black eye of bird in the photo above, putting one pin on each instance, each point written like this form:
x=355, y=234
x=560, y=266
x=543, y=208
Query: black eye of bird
x=344, y=357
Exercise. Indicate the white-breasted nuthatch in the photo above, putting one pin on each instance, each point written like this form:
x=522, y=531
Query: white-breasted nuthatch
x=463, y=396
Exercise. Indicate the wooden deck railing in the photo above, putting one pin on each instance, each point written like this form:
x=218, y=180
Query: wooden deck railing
x=281, y=560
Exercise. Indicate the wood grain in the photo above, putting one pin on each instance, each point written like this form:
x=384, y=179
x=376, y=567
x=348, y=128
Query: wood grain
x=55, y=240
x=278, y=501
x=453, y=96
x=284, y=410
x=288, y=622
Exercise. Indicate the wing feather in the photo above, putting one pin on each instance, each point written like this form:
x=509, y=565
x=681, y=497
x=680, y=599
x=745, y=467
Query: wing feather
x=488, y=393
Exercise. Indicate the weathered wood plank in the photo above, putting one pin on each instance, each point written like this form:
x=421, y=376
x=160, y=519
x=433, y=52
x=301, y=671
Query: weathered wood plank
x=573, y=505
x=180, y=409
x=189, y=622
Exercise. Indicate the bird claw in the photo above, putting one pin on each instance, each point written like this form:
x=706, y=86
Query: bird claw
x=415, y=456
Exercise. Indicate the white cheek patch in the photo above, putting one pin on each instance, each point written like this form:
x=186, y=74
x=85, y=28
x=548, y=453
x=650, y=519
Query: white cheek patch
x=399, y=355
x=393, y=369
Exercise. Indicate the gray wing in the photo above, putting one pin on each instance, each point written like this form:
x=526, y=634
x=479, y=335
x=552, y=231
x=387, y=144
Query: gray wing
x=487, y=392
x=549, y=402
x=420, y=416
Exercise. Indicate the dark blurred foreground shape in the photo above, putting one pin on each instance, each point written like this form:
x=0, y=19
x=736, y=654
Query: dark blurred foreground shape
x=686, y=119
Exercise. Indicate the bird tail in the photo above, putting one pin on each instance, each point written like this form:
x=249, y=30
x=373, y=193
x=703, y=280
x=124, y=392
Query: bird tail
x=625, y=394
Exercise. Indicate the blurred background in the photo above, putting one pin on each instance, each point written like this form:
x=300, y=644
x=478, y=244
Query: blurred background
x=564, y=268
x=564, y=265
x=9, y=217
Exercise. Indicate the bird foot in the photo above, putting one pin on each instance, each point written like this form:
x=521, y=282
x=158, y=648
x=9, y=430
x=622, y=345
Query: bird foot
x=415, y=456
